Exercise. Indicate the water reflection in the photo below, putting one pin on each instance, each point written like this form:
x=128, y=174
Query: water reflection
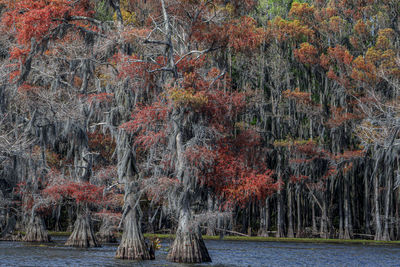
x=223, y=253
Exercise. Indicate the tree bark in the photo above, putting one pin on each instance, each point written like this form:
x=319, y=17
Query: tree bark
x=188, y=246
x=386, y=233
x=324, y=219
x=212, y=220
x=346, y=209
x=36, y=230
x=57, y=211
x=106, y=233
x=265, y=219
x=314, y=219
x=280, y=232
x=279, y=218
x=366, y=202
x=299, y=232
x=132, y=246
x=378, y=226
x=341, y=215
x=290, y=231
x=70, y=226
x=83, y=235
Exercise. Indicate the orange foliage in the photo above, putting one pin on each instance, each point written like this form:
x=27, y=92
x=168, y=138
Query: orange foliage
x=301, y=97
x=283, y=30
x=306, y=54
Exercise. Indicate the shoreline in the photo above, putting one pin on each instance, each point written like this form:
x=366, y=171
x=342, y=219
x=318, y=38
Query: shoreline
x=266, y=239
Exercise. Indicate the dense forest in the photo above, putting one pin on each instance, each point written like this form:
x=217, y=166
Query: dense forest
x=210, y=117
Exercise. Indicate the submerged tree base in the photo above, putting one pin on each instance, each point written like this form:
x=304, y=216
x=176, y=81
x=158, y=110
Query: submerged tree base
x=106, y=233
x=133, y=250
x=133, y=246
x=83, y=235
x=36, y=231
x=188, y=248
x=12, y=237
x=106, y=237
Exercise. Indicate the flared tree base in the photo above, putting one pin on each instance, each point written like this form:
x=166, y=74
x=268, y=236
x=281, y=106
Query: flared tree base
x=188, y=248
x=12, y=237
x=82, y=236
x=36, y=231
x=106, y=233
x=106, y=237
x=133, y=250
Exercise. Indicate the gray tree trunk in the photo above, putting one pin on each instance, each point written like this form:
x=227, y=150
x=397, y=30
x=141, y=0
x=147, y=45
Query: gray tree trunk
x=387, y=223
x=106, y=233
x=188, y=246
x=212, y=220
x=82, y=236
x=290, y=231
x=265, y=219
x=133, y=246
x=36, y=230
x=378, y=226
x=314, y=219
x=346, y=209
x=366, y=202
x=324, y=219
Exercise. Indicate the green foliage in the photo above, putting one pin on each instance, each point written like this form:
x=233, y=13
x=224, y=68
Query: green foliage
x=103, y=12
x=275, y=8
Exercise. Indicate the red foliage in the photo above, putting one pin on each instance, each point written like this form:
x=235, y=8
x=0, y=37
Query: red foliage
x=36, y=19
x=234, y=168
x=341, y=117
x=113, y=216
x=81, y=192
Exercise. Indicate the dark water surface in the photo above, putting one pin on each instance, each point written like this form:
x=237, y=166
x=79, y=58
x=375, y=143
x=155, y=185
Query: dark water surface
x=223, y=253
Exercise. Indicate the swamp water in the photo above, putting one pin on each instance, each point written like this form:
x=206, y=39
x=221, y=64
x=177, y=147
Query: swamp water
x=223, y=253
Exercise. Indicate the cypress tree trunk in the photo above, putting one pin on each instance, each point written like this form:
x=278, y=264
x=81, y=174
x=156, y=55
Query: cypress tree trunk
x=265, y=219
x=132, y=246
x=366, y=201
x=212, y=221
x=70, y=226
x=324, y=219
x=378, y=226
x=36, y=230
x=8, y=230
x=299, y=232
x=386, y=234
x=341, y=220
x=290, y=232
x=346, y=209
x=314, y=219
x=106, y=233
x=280, y=232
x=83, y=235
x=279, y=218
x=397, y=214
x=57, y=215
x=188, y=246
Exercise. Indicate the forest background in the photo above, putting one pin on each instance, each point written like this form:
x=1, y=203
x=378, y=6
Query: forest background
x=199, y=117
